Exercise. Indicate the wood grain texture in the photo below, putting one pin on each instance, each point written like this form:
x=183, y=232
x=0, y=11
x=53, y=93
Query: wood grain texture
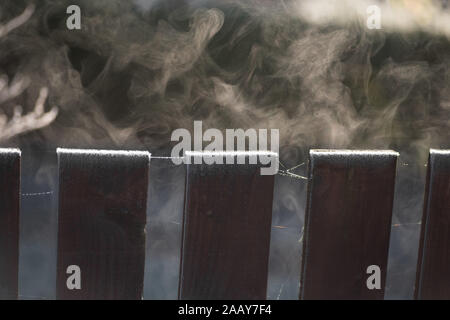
x=102, y=217
x=433, y=267
x=9, y=222
x=348, y=223
x=226, y=232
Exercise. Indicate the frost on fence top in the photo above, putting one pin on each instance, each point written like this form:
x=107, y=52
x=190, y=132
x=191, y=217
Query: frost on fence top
x=10, y=151
x=327, y=152
x=131, y=153
x=440, y=152
x=229, y=153
x=217, y=157
x=439, y=160
x=357, y=156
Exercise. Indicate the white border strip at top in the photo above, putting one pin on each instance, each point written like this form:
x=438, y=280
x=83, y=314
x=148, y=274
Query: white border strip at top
x=10, y=150
x=104, y=152
x=229, y=153
x=354, y=152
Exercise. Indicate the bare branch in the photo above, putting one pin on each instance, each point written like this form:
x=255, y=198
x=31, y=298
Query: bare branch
x=13, y=90
x=17, y=21
x=36, y=119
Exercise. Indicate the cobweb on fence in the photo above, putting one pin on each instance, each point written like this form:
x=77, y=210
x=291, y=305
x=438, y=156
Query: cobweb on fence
x=287, y=172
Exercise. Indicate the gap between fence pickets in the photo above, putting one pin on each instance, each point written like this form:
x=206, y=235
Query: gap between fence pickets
x=19, y=153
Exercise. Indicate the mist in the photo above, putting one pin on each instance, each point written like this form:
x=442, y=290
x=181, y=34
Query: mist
x=137, y=70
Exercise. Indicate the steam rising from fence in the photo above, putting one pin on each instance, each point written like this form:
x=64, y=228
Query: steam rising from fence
x=138, y=70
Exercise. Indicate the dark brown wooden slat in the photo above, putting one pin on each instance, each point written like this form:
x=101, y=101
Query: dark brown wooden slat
x=102, y=217
x=226, y=232
x=9, y=222
x=433, y=266
x=348, y=223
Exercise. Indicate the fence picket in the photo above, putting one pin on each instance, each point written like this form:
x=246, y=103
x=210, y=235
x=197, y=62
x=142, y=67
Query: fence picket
x=348, y=223
x=9, y=222
x=433, y=266
x=102, y=217
x=226, y=232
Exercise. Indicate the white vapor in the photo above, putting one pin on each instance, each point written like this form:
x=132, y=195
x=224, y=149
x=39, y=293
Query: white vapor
x=396, y=15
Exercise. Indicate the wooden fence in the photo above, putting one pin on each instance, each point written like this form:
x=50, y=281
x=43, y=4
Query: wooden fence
x=226, y=226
